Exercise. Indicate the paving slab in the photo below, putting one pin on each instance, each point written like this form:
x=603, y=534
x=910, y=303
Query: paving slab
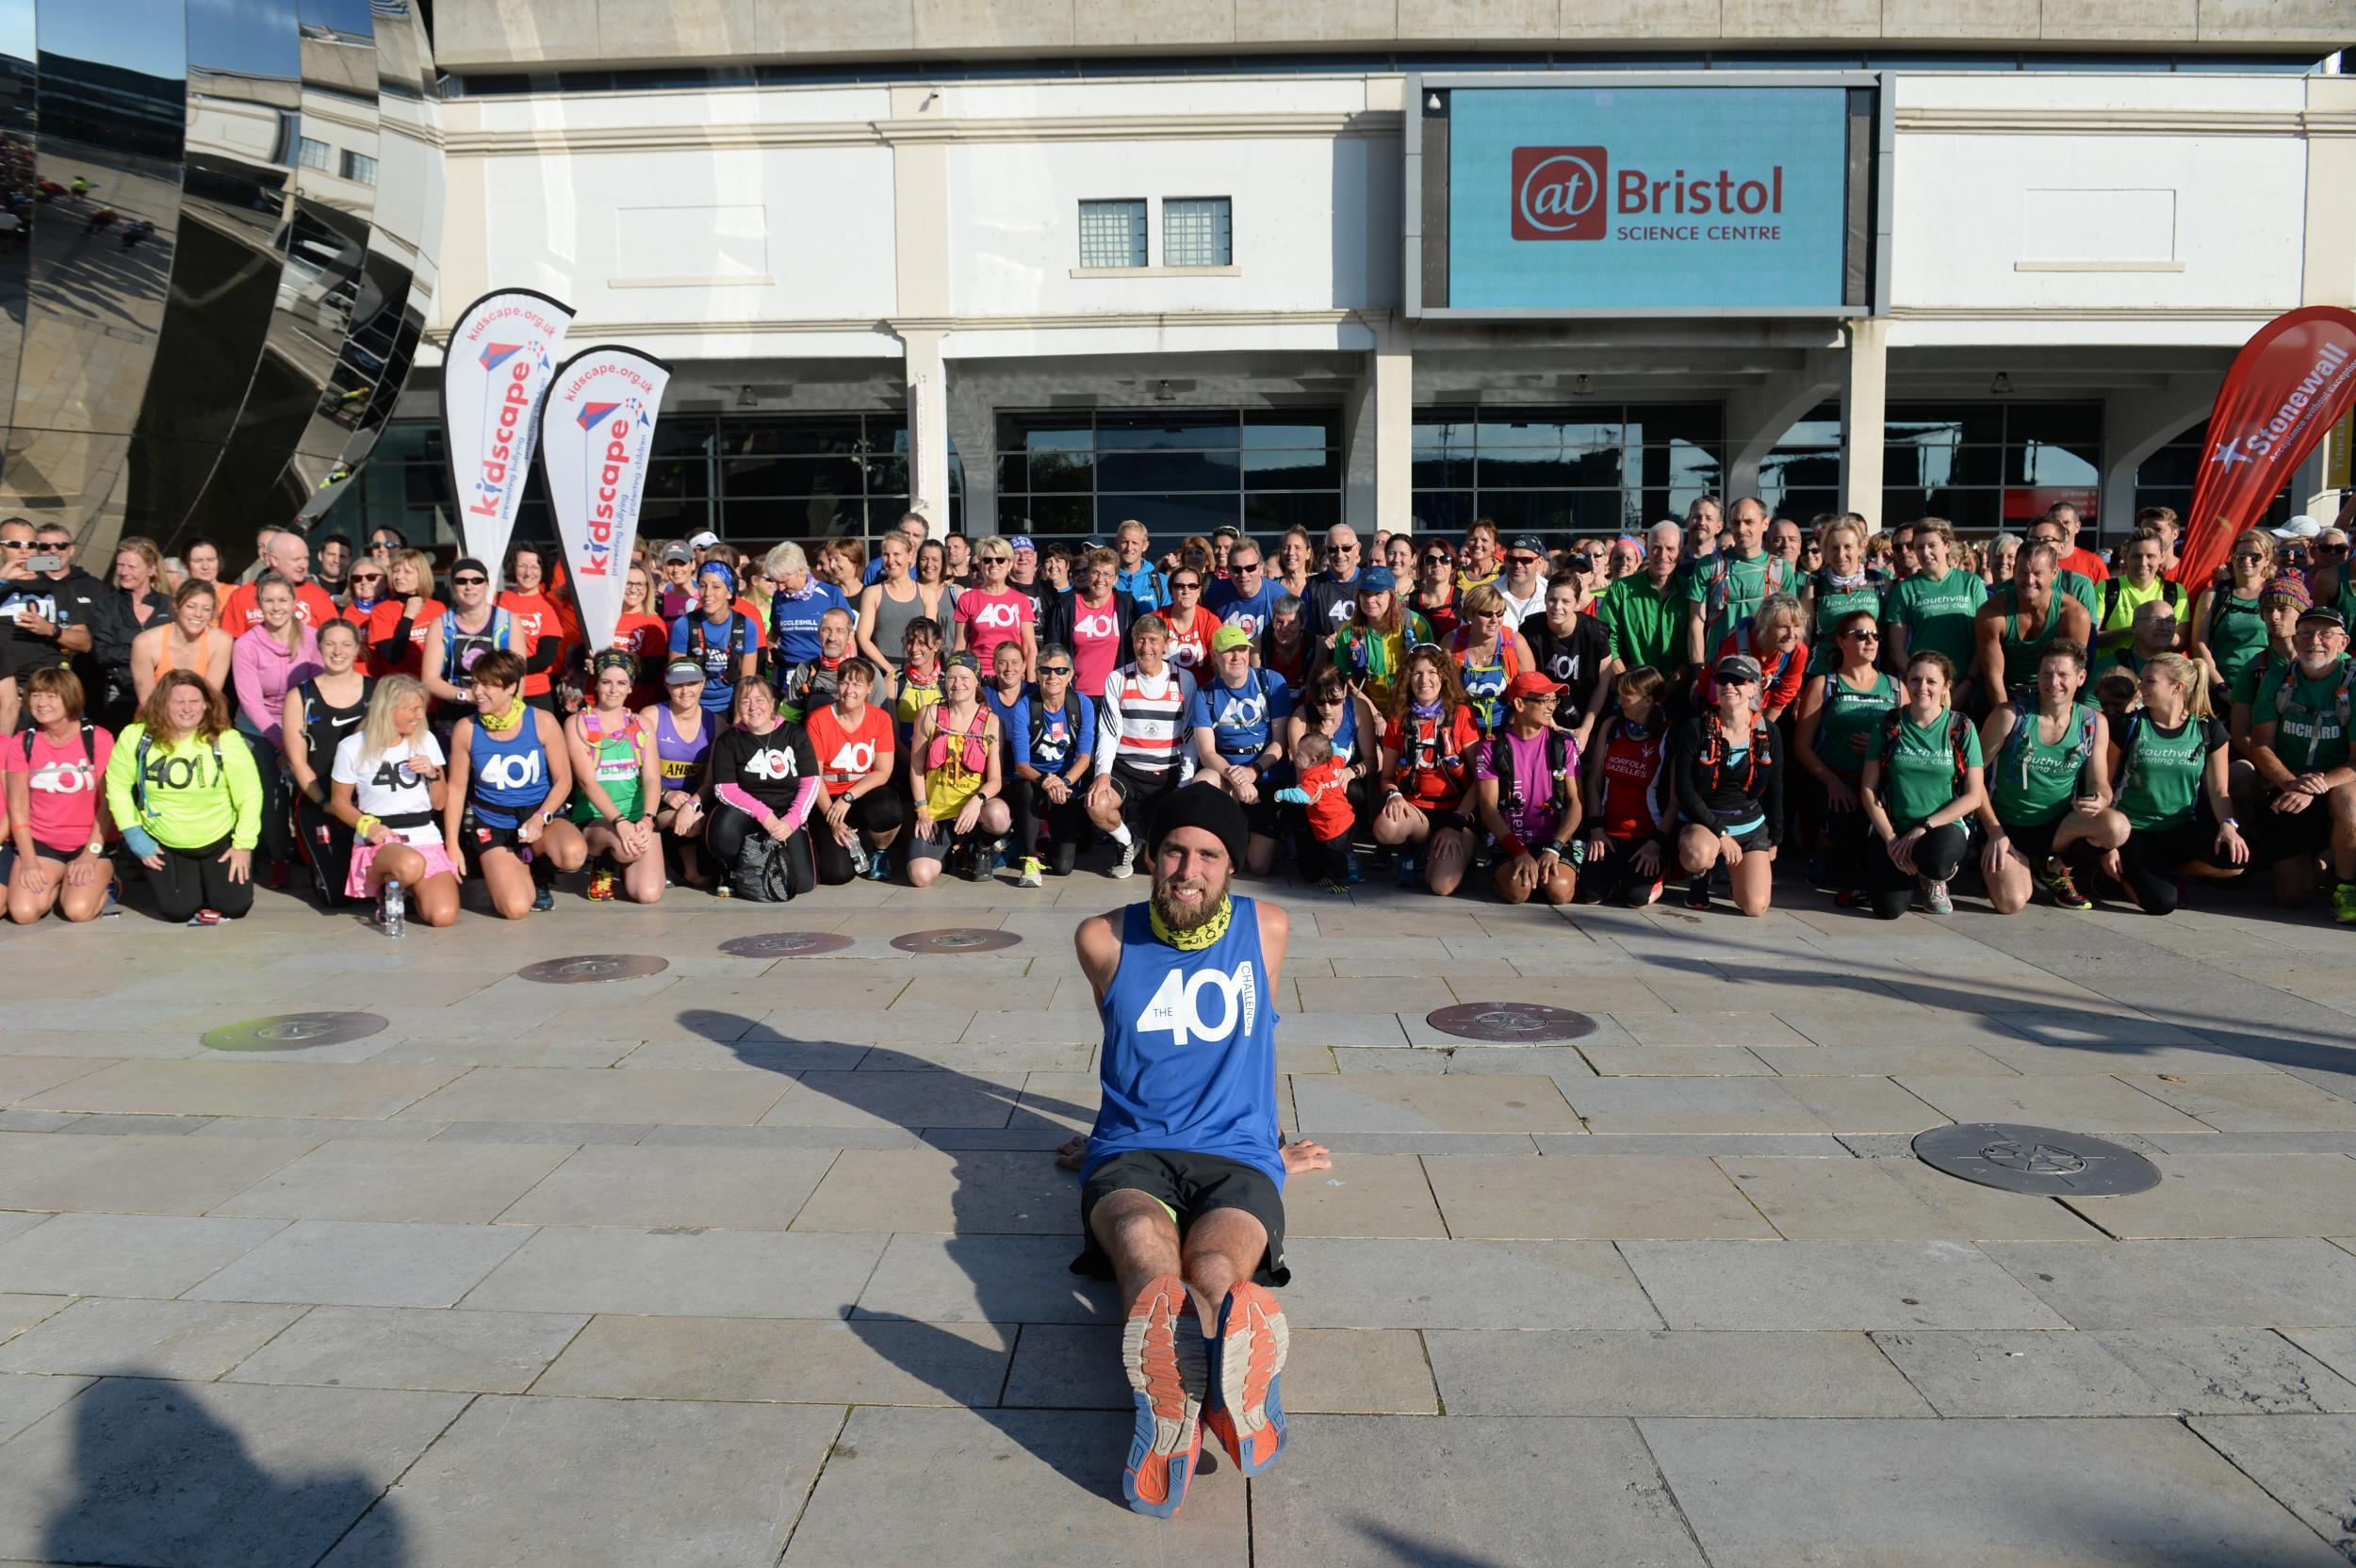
x=1676, y=1372
x=2250, y=1101
x=1634, y=1196
x=1950, y=1492
x=676, y=1271
x=2187, y=1285
x=370, y=1179
x=970, y=1193
x=1464, y=1285
x=2019, y=1372
x=1833, y=1284
x=23, y=1077
x=1677, y=1061
x=897, y=1099
x=1465, y=1103
x=172, y=1174
x=363, y=1091
x=1456, y=1489
x=934, y=1279
x=2306, y=1463
x=1877, y=1025
x=135, y=1471
x=1334, y=1371
x=780, y=1056
x=2334, y=1347
x=20, y=1313
x=2080, y=1105
x=1337, y=1029
x=534, y=1481
x=996, y=1483
x=25, y=1397
x=1899, y=1199
x=358, y=1264
x=1750, y=1029
x=1705, y=1145
x=78, y=1254
x=791, y=1361
x=28, y=1158
x=655, y=1186
x=438, y=1347
x=679, y=1097
x=192, y=1340
x=1751, y=1105
x=2232, y=1195
x=1364, y=1195
x=2230, y=1371
x=1897, y=1058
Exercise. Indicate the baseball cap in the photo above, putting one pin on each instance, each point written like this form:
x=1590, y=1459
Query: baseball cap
x=1739, y=666
x=704, y=540
x=1531, y=683
x=678, y=552
x=682, y=672
x=1374, y=579
x=1230, y=637
x=2300, y=527
x=1021, y=542
x=2323, y=613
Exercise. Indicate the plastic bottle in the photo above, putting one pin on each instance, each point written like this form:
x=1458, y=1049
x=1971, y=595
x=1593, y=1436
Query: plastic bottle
x=396, y=901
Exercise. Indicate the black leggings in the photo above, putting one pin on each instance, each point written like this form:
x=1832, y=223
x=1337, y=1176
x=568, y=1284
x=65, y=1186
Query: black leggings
x=1937, y=855
x=728, y=832
x=877, y=811
x=2148, y=859
x=328, y=843
x=193, y=879
x=1066, y=823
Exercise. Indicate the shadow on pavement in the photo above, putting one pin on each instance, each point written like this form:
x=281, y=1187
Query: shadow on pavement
x=1007, y=1293
x=158, y=1479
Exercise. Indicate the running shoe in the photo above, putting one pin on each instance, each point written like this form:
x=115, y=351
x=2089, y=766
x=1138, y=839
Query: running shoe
x=1122, y=865
x=601, y=884
x=1241, y=1408
x=1032, y=876
x=1163, y=1352
x=1357, y=872
x=1697, y=892
x=1935, y=897
x=1329, y=886
x=2056, y=879
x=878, y=867
x=1407, y=871
x=205, y=917
x=544, y=900
x=721, y=889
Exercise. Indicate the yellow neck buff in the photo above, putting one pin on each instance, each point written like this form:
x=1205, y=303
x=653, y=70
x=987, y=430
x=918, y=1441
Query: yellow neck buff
x=1201, y=936
x=508, y=722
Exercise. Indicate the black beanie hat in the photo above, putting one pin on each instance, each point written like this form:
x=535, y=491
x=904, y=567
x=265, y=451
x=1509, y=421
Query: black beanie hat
x=1207, y=806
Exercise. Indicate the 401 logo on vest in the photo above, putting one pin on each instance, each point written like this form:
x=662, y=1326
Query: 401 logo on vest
x=1177, y=1004
x=855, y=759
x=175, y=773
x=998, y=616
x=769, y=763
x=1096, y=625
x=395, y=775
x=512, y=771
x=65, y=778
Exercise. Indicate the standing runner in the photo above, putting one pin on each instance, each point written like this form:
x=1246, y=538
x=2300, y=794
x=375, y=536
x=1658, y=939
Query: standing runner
x=1182, y=1196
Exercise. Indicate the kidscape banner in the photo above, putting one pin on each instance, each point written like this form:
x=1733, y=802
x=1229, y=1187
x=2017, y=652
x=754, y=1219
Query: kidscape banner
x=595, y=432
x=2285, y=388
x=502, y=352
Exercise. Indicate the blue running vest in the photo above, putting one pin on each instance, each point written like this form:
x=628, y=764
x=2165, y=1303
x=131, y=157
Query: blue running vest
x=1190, y=1058
x=510, y=776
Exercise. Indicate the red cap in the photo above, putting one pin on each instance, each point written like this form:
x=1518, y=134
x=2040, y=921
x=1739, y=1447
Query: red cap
x=1530, y=683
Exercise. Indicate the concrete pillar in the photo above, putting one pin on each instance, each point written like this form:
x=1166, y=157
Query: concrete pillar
x=1757, y=415
x=928, y=428
x=1864, y=397
x=2329, y=276
x=974, y=427
x=2134, y=425
x=1394, y=437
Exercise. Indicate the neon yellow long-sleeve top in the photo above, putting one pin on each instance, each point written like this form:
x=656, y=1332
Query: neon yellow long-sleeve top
x=197, y=793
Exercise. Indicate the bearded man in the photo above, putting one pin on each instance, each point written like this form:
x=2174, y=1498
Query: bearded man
x=1183, y=1176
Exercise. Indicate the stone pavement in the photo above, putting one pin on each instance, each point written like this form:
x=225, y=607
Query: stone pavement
x=765, y=1256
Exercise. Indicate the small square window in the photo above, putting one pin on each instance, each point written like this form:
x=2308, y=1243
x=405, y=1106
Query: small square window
x=360, y=166
x=1198, y=231
x=1112, y=234
x=314, y=154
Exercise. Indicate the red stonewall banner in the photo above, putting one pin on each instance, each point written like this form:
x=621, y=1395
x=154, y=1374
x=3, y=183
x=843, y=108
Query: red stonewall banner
x=502, y=351
x=595, y=436
x=2285, y=388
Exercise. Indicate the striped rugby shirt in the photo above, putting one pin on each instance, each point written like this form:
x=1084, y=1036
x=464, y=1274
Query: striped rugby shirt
x=1141, y=721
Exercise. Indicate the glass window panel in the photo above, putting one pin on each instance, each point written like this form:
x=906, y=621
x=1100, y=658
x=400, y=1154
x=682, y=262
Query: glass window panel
x=887, y=475
x=1282, y=429
x=1061, y=515
x=1538, y=428
x=1059, y=472
x=1112, y=234
x=681, y=437
x=1436, y=474
x=2075, y=424
x=1981, y=424
x=1301, y=470
x=1197, y=231
x=1161, y=470
x=314, y=154
x=1174, y=514
x=2049, y=463
x=1018, y=433
x=678, y=479
x=801, y=437
x=1167, y=432
x=1447, y=511
x=793, y=518
x=790, y=476
x=1270, y=514
x=359, y=167
x=1545, y=469
x=1703, y=424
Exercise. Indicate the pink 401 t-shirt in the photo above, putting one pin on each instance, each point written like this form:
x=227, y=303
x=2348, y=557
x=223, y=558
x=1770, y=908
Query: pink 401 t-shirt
x=990, y=619
x=65, y=784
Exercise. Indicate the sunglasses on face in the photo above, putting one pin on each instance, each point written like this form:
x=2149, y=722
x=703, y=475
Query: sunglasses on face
x=1055, y=669
x=1863, y=636
x=15, y=544
x=1344, y=549
x=1243, y=565
x=368, y=576
x=1523, y=560
x=471, y=581
x=1179, y=587
x=1439, y=558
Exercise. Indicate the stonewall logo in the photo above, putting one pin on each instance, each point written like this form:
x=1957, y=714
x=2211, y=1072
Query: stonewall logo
x=1574, y=193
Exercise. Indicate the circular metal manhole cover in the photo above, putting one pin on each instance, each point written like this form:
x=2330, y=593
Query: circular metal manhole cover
x=2044, y=1160
x=1512, y=1023
x=955, y=939
x=784, y=944
x=591, y=968
x=293, y=1031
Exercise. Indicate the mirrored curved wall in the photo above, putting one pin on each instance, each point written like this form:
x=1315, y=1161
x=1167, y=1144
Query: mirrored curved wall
x=218, y=220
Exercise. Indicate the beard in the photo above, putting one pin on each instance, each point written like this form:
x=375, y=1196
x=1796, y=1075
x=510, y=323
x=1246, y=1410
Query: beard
x=1188, y=914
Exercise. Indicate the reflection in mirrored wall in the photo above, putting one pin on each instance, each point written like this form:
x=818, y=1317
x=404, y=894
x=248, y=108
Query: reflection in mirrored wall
x=218, y=220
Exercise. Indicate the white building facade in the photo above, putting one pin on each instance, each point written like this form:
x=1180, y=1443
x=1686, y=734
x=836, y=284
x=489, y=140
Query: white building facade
x=1144, y=287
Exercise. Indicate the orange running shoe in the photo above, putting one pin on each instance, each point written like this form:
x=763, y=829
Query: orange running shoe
x=1245, y=1414
x=1162, y=1351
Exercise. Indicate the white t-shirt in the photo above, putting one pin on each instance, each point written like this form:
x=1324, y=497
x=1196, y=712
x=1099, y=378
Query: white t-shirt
x=389, y=789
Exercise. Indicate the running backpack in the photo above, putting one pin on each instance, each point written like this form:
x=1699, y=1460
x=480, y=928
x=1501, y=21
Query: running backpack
x=1958, y=739
x=500, y=633
x=1720, y=585
x=1712, y=756
x=1070, y=711
x=2283, y=703
x=2172, y=596
x=738, y=627
x=1558, y=766
x=2016, y=739
x=89, y=741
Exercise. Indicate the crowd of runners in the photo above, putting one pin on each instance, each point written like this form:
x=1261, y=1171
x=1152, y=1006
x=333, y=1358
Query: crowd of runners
x=1891, y=714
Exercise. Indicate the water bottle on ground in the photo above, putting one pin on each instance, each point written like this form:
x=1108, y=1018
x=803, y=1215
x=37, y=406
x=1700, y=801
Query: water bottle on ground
x=395, y=905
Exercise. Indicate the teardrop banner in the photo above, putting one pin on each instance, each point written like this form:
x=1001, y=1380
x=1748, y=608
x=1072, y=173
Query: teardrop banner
x=595, y=436
x=2285, y=388
x=496, y=370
